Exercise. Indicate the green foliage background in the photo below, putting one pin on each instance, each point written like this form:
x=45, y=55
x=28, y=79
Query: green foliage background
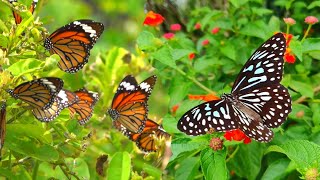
x=62, y=149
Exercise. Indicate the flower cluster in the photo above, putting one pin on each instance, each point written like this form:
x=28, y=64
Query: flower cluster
x=237, y=135
x=153, y=19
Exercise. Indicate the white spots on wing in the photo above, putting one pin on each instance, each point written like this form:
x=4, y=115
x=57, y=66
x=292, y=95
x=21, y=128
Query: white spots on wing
x=191, y=124
x=216, y=114
x=127, y=86
x=207, y=108
x=87, y=29
x=270, y=65
x=259, y=71
x=250, y=68
x=145, y=86
x=279, y=107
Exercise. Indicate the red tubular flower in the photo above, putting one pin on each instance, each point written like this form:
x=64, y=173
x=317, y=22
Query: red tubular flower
x=197, y=26
x=168, y=35
x=237, y=135
x=289, y=21
x=174, y=108
x=191, y=56
x=175, y=27
x=311, y=20
x=153, y=19
x=215, y=30
x=289, y=56
x=205, y=42
x=209, y=97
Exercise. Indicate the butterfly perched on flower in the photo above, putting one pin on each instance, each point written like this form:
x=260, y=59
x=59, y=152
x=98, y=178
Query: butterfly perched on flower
x=147, y=139
x=257, y=101
x=129, y=105
x=63, y=100
x=3, y=124
x=17, y=17
x=73, y=43
x=84, y=105
x=38, y=93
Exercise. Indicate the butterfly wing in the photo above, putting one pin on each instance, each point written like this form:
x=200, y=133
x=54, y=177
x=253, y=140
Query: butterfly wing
x=217, y=115
x=67, y=98
x=264, y=67
x=84, y=106
x=272, y=103
x=39, y=93
x=17, y=17
x=49, y=114
x=73, y=43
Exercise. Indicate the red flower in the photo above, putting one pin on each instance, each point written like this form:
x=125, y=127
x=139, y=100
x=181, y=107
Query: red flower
x=289, y=56
x=191, y=56
x=174, y=108
x=205, y=42
x=289, y=21
x=288, y=38
x=197, y=26
x=311, y=20
x=175, y=27
x=168, y=35
x=153, y=19
x=215, y=30
x=237, y=135
x=209, y=97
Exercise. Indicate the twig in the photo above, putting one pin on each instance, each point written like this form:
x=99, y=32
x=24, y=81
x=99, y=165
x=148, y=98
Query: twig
x=233, y=153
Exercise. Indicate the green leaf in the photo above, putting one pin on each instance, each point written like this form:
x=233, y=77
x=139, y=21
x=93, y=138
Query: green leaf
x=3, y=41
x=248, y=157
x=250, y=29
x=187, y=169
x=304, y=88
x=214, y=164
x=178, y=90
x=276, y=170
x=296, y=48
x=146, y=40
x=25, y=66
x=314, y=4
x=119, y=166
x=24, y=24
x=180, y=53
x=311, y=44
x=229, y=51
x=3, y=27
x=181, y=145
x=164, y=55
x=237, y=3
x=303, y=153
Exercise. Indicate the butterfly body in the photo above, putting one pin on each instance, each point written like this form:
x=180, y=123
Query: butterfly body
x=256, y=103
x=73, y=43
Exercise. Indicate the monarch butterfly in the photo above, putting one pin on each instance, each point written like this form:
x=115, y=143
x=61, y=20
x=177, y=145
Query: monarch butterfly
x=84, y=105
x=2, y=126
x=64, y=99
x=129, y=105
x=17, y=17
x=73, y=43
x=39, y=93
x=146, y=140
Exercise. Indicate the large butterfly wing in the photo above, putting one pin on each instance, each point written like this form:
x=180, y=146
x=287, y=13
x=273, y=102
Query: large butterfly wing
x=67, y=98
x=49, y=114
x=272, y=103
x=17, y=17
x=39, y=93
x=2, y=125
x=264, y=67
x=216, y=115
x=129, y=105
x=147, y=85
x=73, y=43
x=84, y=106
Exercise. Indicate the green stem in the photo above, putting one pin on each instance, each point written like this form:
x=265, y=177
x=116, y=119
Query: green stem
x=306, y=33
x=56, y=129
x=14, y=118
x=64, y=172
x=233, y=154
x=196, y=82
x=288, y=29
x=35, y=170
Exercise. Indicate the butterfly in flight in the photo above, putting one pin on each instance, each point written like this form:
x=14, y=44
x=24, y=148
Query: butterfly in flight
x=63, y=100
x=17, y=17
x=129, y=105
x=84, y=105
x=3, y=124
x=257, y=101
x=147, y=139
x=73, y=43
x=39, y=93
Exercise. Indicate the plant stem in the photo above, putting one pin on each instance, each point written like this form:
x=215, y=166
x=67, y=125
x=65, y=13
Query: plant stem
x=35, y=170
x=233, y=153
x=196, y=82
x=14, y=118
x=306, y=33
x=64, y=172
x=303, y=98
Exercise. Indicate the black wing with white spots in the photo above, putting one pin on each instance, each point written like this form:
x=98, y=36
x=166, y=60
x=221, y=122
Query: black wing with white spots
x=257, y=103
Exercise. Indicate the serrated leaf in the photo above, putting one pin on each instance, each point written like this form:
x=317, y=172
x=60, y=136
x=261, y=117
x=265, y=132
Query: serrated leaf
x=164, y=55
x=119, y=166
x=213, y=164
x=187, y=169
x=296, y=48
x=181, y=146
x=311, y=44
x=303, y=153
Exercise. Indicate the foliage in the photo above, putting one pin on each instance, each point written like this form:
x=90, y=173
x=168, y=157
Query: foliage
x=203, y=57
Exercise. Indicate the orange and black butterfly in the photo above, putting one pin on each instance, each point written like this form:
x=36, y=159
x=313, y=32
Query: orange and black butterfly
x=73, y=43
x=39, y=93
x=147, y=139
x=2, y=125
x=84, y=105
x=17, y=17
x=63, y=100
x=129, y=105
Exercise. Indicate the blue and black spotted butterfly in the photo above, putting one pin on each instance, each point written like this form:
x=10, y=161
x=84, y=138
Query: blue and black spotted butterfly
x=257, y=102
